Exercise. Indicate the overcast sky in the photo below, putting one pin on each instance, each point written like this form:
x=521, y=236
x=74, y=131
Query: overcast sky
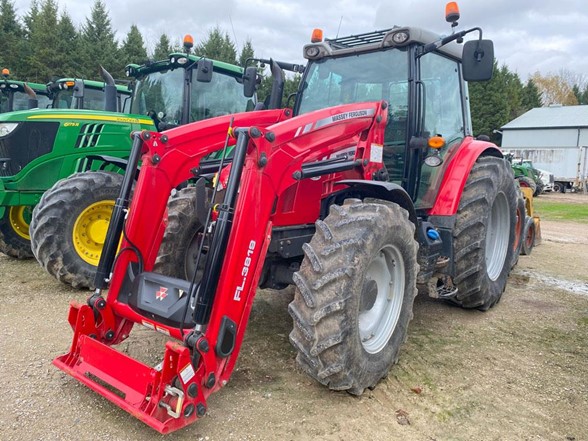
x=528, y=35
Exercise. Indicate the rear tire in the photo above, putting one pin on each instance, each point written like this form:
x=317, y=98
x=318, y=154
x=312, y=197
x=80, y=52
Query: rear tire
x=69, y=225
x=529, y=234
x=183, y=234
x=354, y=296
x=14, y=232
x=484, y=234
x=527, y=182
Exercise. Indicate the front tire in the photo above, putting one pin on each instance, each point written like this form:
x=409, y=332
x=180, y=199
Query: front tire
x=15, y=240
x=484, y=234
x=183, y=234
x=354, y=296
x=69, y=225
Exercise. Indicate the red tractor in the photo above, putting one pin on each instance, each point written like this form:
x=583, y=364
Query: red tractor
x=370, y=185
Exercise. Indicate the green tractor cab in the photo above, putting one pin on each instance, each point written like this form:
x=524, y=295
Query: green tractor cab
x=72, y=93
x=68, y=226
x=20, y=95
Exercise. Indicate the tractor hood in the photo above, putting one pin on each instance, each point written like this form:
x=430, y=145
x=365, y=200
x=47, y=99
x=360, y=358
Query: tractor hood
x=74, y=116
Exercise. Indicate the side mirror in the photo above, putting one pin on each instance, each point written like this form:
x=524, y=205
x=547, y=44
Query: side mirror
x=78, y=89
x=204, y=71
x=250, y=81
x=478, y=60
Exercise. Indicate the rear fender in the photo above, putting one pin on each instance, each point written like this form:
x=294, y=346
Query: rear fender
x=457, y=172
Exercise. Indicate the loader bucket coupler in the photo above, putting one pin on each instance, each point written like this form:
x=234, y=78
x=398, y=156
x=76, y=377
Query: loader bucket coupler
x=148, y=393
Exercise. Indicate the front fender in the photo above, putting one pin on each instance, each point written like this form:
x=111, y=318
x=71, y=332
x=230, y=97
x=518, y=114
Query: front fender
x=375, y=189
x=457, y=172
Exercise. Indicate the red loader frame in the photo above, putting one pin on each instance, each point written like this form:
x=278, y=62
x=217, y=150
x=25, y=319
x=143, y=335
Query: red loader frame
x=278, y=153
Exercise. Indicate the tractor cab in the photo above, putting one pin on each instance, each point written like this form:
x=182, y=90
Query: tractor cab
x=421, y=76
x=14, y=95
x=187, y=88
x=72, y=93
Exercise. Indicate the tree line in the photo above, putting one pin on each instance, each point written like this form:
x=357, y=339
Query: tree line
x=44, y=44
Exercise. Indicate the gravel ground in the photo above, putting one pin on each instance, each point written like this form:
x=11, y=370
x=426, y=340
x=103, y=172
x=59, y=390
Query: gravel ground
x=516, y=372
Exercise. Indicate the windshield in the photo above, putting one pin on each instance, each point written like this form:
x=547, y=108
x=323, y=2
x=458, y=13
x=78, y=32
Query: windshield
x=161, y=93
x=353, y=79
x=21, y=101
x=93, y=99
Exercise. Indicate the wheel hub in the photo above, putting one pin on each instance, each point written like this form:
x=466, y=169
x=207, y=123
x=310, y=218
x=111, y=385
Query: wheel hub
x=20, y=218
x=89, y=232
x=497, y=236
x=381, y=299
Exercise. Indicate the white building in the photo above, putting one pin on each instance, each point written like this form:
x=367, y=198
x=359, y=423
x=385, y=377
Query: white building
x=554, y=138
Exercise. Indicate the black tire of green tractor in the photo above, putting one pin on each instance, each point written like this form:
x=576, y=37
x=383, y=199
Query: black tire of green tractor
x=54, y=219
x=529, y=234
x=356, y=244
x=484, y=234
x=519, y=229
x=539, y=189
x=180, y=244
x=527, y=182
x=11, y=243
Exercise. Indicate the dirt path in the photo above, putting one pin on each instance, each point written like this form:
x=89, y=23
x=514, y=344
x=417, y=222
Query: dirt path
x=517, y=372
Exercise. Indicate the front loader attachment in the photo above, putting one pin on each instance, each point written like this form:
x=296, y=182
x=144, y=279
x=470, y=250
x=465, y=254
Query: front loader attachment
x=143, y=391
x=208, y=315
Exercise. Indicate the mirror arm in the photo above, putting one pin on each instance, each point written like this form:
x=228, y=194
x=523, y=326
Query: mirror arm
x=443, y=41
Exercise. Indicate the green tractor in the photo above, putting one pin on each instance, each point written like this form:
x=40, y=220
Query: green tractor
x=40, y=146
x=71, y=93
x=69, y=224
x=20, y=95
x=526, y=175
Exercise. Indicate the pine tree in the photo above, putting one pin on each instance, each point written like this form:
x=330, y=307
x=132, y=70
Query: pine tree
x=133, y=47
x=162, y=49
x=43, y=59
x=12, y=33
x=514, y=88
x=68, y=49
x=531, y=96
x=246, y=52
x=98, y=45
x=489, y=104
x=218, y=46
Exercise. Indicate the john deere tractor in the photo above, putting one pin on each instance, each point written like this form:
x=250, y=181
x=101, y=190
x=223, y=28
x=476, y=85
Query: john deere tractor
x=69, y=224
x=20, y=95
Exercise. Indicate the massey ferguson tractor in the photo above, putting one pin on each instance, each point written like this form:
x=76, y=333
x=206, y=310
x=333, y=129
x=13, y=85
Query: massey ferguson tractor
x=371, y=185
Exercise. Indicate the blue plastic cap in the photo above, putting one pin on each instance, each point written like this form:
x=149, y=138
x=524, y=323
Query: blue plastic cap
x=433, y=234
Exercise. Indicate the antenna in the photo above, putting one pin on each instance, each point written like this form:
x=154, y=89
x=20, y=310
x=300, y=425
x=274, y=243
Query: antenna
x=233, y=28
x=339, y=28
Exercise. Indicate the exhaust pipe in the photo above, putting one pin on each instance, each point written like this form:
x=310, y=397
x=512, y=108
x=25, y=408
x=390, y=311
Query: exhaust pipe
x=33, y=100
x=110, y=101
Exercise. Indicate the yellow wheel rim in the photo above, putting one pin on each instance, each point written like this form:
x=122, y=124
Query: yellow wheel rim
x=89, y=231
x=20, y=218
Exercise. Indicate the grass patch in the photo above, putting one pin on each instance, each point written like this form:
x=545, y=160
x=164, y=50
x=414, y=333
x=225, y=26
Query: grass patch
x=554, y=211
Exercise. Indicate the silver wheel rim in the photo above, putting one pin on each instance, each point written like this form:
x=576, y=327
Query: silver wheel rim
x=381, y=299
x=497, y=236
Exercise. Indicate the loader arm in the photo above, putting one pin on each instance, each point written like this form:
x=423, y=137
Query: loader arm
x=277, y=153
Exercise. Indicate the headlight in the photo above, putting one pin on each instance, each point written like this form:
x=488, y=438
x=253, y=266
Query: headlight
x=7, y=128
x=312, y=51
